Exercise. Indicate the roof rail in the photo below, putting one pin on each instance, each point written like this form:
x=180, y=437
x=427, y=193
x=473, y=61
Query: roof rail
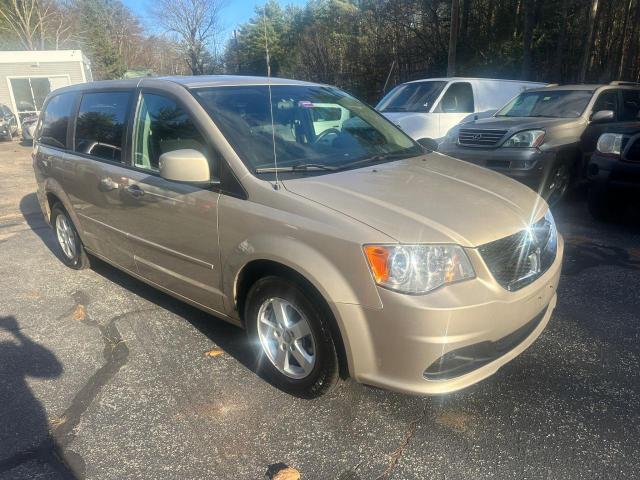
x=623, y=83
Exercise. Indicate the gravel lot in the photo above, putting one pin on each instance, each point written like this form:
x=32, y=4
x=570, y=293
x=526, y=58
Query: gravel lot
x=102, y=377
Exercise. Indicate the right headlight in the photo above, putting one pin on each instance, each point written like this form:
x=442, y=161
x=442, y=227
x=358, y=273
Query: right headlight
x=609, y=144
x=417, y=269
x=525, y=139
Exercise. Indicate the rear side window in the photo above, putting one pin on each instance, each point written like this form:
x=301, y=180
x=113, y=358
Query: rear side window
x=630, y=105
x=100, y=124
x=55, y=120
x=457, y=99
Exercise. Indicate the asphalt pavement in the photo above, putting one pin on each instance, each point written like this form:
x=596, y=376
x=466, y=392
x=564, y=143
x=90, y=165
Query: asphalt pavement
x=103, y=377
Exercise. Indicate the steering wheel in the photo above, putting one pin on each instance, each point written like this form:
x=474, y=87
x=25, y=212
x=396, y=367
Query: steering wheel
x=329, y=131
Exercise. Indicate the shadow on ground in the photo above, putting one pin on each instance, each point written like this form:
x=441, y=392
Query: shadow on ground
x=24, y=429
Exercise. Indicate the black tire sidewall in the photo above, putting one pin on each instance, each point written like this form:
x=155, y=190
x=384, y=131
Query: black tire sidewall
x=325, y=371
x=76, y=262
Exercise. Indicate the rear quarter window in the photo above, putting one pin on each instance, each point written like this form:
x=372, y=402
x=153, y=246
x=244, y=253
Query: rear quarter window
x=55, y=120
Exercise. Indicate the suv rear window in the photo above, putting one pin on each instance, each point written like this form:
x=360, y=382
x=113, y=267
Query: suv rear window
x=55, y=120
x=100, y=124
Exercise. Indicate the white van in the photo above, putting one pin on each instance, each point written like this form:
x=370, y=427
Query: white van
x=429, y=108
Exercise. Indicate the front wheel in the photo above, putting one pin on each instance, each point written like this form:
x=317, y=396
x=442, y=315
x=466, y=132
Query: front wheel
x=296, y=352
x=557, y=183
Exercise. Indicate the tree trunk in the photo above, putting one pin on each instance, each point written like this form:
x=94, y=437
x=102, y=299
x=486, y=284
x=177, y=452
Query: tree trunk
x=624, y=42
x=527, y=38
x=589, y=40
x=562, y=37
x=453, y=37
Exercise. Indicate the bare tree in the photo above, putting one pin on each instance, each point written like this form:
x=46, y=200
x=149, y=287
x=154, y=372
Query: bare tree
x=28, y=19
x=593, y=11
x=453, y=37
x=195, y=23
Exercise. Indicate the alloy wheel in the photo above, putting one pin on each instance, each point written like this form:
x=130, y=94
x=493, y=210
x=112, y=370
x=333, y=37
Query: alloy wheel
x=66, y=236
x=286, y=338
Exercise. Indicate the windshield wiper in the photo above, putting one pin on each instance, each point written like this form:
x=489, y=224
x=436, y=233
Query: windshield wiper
x=300, y=167
x=381, y=157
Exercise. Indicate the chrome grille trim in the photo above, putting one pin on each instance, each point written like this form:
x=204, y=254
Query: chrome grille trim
x=477, y=137
x=519, y=259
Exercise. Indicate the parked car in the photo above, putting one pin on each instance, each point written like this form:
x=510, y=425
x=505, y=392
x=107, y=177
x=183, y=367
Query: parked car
x=353, y=252
x=614, y=172
x=28, y=127
x=544, y=137
x=429, y=108
x=8, y=123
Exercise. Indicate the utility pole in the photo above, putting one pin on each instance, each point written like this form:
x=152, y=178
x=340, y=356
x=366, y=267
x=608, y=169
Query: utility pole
x=453, y=37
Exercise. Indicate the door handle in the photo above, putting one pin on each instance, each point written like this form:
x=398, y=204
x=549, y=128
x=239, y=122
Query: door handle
x=134, y=191
x=107, y=184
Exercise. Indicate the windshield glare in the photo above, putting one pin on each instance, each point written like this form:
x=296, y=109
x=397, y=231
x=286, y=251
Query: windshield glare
x=411, y=97
x=554, y=103
x=315, y=125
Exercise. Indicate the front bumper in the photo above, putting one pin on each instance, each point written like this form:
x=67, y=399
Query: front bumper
x=605, y=171
x=404, y=345
x=505, y=161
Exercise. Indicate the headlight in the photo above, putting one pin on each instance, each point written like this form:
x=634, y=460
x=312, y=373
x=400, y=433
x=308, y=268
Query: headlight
x=609, y=143
x=416, y=269
x=525, y=139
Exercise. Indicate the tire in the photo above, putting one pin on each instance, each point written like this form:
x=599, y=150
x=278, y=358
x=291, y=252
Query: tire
x=602, y=205
x=72, y=252
x=557, y=183
x=284, y=346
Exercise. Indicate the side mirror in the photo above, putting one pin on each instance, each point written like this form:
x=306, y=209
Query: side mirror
x=185, y=166
x=428, y=144
x=603, y=116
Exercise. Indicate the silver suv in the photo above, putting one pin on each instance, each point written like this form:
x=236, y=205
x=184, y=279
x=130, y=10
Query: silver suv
x=297, y=212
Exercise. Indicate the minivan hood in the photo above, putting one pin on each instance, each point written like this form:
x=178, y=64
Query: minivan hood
x=427, y=199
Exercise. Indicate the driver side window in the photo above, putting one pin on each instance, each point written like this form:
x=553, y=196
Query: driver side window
x=457, y=99
x=607, y=100
x=162, y=126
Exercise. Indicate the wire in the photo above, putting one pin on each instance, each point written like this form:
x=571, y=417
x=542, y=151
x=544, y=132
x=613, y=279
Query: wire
x=276, y=186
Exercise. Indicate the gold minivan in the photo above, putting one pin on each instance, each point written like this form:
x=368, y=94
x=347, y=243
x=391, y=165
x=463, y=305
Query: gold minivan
x=293, y=210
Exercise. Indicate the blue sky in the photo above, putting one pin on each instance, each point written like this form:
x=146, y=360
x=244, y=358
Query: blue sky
x=235, y=13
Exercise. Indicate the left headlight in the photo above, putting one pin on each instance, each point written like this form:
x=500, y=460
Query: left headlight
x=416, y=269
x=525, y=139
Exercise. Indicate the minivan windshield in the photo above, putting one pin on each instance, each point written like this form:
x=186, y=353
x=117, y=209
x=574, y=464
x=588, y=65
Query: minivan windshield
x=411, y=97
x=316, y=129
x=550, y=103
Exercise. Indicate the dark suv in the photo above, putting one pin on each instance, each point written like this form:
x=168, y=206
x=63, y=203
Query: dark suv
x=614, y=172
x=544, y=137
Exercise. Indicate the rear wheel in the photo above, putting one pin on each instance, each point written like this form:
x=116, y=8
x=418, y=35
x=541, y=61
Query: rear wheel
x=73, y=253
x=295, y=348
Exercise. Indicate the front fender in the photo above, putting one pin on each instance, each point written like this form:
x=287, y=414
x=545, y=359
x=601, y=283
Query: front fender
x=309, y=262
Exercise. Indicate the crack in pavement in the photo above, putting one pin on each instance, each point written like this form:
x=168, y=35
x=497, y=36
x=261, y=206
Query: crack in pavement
x=397, y=453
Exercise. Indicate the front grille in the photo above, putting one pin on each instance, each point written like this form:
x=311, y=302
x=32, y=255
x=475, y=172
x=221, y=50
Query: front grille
x=519, y=259
x=480, y=137
x=632, y=154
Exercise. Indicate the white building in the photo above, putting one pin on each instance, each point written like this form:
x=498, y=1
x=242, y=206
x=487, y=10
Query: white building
x=27, y=77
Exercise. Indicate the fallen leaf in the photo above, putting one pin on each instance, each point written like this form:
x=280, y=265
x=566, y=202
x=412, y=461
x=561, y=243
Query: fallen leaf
x=457, y=421
x=287, y=474
x=216, y=352
x=79, y=313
